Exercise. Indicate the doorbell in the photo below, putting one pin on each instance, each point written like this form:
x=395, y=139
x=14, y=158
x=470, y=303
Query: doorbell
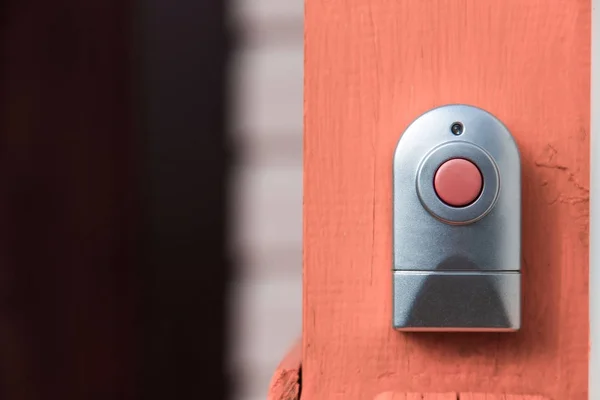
x=457, y=223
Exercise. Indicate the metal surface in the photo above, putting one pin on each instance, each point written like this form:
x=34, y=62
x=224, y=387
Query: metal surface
x=457, y=301
x=465, y=245
x=422, y=242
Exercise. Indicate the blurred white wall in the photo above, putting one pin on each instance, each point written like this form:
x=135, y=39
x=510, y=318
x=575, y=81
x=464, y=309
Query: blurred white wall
x=267, y=81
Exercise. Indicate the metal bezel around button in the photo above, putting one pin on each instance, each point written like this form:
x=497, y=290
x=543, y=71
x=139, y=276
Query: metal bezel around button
x=458, y=215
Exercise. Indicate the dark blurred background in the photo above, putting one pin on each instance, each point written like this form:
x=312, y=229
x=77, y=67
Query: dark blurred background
x=113, y=262
x=150, y=197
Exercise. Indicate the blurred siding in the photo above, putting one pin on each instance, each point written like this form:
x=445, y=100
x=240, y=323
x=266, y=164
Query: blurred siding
x=267, y=72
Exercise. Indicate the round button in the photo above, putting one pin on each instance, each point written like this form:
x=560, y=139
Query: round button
x=458, y=182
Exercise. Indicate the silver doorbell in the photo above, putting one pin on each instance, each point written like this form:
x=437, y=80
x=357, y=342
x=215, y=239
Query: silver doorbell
x=457, y=224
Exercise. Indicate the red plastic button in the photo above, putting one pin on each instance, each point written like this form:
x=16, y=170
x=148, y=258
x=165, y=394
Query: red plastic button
x=458, y=182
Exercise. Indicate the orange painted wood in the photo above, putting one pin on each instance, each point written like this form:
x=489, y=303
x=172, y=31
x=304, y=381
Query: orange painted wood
x=485, y=396
x=416, y=396
x=371, y=67
x=454, y=396
x=285, y=384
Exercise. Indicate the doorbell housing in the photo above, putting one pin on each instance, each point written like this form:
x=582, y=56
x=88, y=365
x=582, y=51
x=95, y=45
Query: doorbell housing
x=457, y=224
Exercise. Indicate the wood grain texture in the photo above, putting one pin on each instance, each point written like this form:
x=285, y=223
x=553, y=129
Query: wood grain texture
x=285, y=384
x=487, y=396
x=454, y=396
x=371, y=67
x=416, y=396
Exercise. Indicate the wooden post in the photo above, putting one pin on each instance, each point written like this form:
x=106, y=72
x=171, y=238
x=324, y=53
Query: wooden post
x=371, y=67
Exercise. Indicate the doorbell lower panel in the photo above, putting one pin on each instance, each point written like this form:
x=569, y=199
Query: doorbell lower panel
x=457, y=223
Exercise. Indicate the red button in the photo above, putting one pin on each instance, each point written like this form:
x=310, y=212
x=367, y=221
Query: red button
x=458, y=182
